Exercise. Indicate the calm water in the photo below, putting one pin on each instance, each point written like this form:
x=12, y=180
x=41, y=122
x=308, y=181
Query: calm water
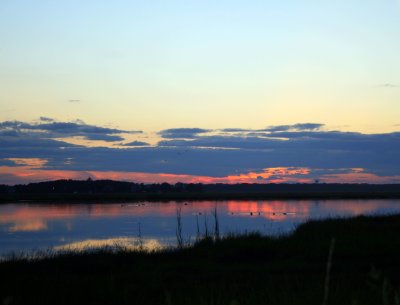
x=25, y=227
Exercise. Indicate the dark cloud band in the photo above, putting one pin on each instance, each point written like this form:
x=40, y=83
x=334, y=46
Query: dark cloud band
x=196, y=151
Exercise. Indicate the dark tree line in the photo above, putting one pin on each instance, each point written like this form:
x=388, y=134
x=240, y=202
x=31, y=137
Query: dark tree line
x=90, y=186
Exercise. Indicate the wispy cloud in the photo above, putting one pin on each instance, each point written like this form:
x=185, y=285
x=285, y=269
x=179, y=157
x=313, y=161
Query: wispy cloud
x=295, y=127
x=237, y=130
x=46, y=119
x=135, y=143
x=182, y=133
x=278, y=128
x=48, y=128
x=28, y=162
x=389, y=85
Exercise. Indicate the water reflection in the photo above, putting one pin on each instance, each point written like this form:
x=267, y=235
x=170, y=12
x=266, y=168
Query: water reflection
x=30, y=225
x=37, y=226
x=272, y=210
x=112, y=243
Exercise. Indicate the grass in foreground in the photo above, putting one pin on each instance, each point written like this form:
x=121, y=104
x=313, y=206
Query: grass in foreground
x=247, y=269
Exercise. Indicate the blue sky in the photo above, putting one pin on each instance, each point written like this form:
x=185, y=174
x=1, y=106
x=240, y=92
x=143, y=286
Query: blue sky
x=150, y=66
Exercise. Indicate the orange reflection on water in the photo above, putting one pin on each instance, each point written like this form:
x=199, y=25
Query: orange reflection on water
x=35, y=217
x=29, y=226
x=272, y=210
x=303, y=210
x=355, y=207
x=23, y=218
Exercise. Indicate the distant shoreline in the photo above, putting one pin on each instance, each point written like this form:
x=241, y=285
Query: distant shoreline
x=132, y=197
x=122, y=191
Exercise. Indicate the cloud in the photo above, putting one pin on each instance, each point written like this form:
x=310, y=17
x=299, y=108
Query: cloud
x=14, y=125
x=9, y=133
x=74, y=101
x=327, y=135
x=279, y=128
x=103, y=137
x=24, y=141
x=135, y=143
x=295, y=127
x=237, y=130
x=48, y=128
x=296, y=141
x=389, y=85
x=76, y=128
x=320, y=149
x=197, y=152
x=182, y=133
x=46, y=119
x=28, y=162
x=239, y=142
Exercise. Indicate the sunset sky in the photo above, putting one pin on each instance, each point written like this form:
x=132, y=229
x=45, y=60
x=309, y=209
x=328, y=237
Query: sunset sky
x=200, y=91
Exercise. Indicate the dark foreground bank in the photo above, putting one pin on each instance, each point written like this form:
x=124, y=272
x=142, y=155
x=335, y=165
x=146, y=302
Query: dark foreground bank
x=248, y=269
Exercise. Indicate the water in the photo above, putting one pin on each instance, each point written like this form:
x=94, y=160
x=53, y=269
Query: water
x=26, y=227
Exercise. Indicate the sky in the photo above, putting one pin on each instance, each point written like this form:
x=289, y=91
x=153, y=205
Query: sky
x=200, y=91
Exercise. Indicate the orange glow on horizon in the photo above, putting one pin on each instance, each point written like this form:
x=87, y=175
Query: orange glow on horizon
x=360, y=177
x=24, y=174
x=27, y=174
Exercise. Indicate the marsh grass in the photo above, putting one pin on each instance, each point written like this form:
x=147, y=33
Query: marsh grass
x=240, y=269
x=216, y=224
x=179, y=234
